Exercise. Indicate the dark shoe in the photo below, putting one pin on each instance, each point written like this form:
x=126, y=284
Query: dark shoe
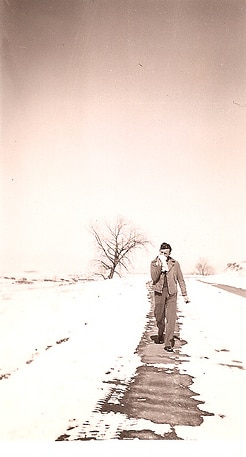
x=168, y=349
x=156, y=339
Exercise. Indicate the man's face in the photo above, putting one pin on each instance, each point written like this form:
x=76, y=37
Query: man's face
x=165, y=252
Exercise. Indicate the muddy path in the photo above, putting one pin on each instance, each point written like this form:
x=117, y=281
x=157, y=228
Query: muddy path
x=150, y=405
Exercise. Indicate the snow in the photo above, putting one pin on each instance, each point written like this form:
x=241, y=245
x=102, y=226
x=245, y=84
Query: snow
x=213, y=326
x=62, y=340
x=234, y=277
x=71, y=336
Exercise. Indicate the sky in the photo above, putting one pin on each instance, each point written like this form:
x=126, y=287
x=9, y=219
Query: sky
x=122, y=108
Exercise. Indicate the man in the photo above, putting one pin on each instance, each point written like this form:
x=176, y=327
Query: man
x=165, y=273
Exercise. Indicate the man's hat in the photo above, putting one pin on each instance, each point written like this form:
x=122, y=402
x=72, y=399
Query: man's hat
x=165, y=246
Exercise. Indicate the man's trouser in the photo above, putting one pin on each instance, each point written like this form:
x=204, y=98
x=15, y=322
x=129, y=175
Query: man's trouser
x=165, y=313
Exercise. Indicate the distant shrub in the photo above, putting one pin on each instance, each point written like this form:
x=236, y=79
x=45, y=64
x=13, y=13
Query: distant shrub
x=234, y=266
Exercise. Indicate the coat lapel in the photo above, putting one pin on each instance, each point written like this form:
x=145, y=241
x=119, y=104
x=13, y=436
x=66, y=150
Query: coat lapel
x=171, y=263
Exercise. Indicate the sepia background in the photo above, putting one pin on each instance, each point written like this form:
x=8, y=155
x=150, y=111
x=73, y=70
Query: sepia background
x=122, y=108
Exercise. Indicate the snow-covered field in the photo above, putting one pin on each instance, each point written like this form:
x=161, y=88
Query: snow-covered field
x=214, y=327
x=234, y=276
x=61, y=340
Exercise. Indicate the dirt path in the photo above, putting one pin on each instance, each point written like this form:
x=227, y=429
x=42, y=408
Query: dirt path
x=159, y=392
x=157, y=399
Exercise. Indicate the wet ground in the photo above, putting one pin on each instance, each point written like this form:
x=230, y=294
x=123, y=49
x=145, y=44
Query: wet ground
x=151, y=404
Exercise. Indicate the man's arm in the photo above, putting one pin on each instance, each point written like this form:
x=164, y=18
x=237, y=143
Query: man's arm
x=155, y=270
x=181, y=281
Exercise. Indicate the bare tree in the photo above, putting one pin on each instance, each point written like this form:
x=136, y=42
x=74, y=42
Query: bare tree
x=115, y=247
x=203, y=268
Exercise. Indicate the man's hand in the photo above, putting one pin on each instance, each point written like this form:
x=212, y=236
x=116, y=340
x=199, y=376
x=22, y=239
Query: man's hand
x=186, y=299
x=163, y=260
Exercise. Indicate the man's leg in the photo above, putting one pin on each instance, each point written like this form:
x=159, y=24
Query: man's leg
x=159, y=316
x=171, y=316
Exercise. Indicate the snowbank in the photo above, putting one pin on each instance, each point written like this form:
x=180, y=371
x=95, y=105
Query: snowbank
x=233, y=276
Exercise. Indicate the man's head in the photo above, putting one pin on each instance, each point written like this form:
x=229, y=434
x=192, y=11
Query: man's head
x=165, y=249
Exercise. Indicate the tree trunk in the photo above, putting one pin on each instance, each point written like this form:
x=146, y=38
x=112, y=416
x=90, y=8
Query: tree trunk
x=111, y=274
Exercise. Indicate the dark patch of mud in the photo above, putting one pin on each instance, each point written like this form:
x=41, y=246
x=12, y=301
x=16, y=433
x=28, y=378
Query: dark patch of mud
x=63, y=340
x=232, y=365
x=160, y=395
x=147, y=435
